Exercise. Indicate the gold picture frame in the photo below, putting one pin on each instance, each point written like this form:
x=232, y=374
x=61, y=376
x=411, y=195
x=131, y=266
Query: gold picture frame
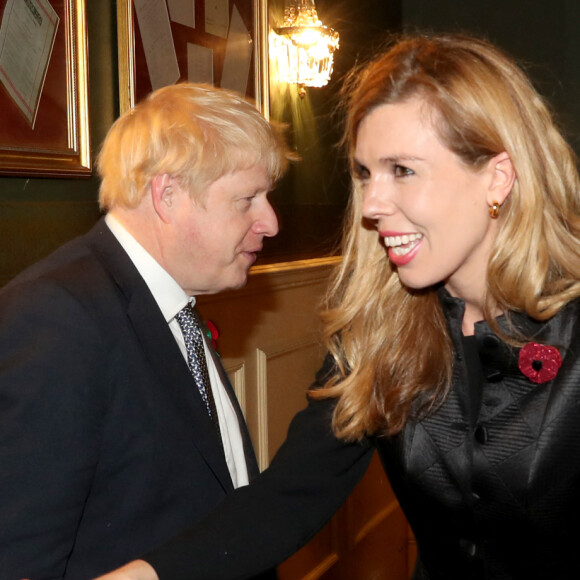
x=57, y=143
x=133, y=76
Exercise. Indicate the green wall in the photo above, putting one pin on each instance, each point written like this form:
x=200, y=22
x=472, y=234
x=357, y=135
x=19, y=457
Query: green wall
x=541, y=35
x=36, y=214
x=310, y=201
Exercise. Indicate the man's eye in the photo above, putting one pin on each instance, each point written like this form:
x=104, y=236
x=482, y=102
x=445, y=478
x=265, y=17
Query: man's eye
x=246, y=202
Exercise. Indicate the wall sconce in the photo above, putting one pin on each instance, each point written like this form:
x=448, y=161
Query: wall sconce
x=303, y=47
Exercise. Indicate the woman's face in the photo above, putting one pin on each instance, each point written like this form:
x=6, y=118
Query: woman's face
x=430, y=209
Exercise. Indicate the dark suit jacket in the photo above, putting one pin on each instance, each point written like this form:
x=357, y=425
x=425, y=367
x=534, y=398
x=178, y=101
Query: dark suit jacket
x=106, y=448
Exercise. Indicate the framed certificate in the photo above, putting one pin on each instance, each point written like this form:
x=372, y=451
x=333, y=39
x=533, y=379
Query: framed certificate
x=220, y=42
x=44, y=118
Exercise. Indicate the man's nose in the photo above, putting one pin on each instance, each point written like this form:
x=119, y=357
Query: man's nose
x=267, y=222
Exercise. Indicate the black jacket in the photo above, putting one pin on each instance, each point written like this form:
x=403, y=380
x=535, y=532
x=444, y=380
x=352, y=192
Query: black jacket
x=491, y=488
x=106, y=449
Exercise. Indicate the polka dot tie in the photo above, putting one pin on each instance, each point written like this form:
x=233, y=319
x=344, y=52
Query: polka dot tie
x=189, y=323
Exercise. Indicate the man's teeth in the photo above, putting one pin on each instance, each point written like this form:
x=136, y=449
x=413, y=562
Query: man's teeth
x=402, y=245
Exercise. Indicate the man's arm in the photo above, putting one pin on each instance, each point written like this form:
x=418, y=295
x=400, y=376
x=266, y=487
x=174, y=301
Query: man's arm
x=49, y=423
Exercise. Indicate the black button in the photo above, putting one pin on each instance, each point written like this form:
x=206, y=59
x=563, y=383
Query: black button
x=494, y=376
x=481, y=434
x=491, y=401
x=468, y=547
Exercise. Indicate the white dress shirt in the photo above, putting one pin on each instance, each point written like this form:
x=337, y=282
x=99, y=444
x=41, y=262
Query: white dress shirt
x=171, y=298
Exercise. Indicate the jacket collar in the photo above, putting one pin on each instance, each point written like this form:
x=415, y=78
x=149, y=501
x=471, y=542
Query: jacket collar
x=556, y=331
x=160, y=347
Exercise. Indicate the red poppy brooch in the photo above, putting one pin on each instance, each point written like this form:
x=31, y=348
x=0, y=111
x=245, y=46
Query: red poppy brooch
x=539, y=362
x=212, y=333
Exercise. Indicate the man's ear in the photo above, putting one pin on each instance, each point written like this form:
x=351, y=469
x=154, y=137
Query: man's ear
x=503, y=177
x=162, y=195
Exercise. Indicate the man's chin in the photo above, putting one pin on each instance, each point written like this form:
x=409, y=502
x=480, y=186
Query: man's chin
x=238, y=283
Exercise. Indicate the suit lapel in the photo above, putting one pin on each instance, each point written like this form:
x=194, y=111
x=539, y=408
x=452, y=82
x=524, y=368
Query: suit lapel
x=160, y=349
x=249, y=454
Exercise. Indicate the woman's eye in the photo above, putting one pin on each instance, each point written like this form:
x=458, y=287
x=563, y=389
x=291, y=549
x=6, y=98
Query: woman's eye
x=402, y=171
x=360, y=172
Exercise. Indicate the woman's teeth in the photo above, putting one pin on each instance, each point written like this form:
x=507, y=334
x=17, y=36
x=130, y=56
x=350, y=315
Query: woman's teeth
x=402, y=245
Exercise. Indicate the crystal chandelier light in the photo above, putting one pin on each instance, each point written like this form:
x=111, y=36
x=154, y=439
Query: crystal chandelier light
x=303, y=47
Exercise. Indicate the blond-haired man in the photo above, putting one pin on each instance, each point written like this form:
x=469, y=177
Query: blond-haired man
x=110, y=442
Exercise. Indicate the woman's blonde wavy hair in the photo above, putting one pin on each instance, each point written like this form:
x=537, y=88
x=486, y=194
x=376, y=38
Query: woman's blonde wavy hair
x=391, y=345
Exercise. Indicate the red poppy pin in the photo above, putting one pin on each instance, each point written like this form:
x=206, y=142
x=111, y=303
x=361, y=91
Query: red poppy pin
x=212, y=333
x=539, y=362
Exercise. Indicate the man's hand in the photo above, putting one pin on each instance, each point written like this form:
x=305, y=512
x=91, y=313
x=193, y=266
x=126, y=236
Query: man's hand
x=136, y=570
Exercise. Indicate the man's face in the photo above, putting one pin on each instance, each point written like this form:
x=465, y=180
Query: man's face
x=215, y=238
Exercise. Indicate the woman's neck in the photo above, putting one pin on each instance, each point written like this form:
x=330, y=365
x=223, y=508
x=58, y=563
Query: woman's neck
x=473, y=300
x=472, y=314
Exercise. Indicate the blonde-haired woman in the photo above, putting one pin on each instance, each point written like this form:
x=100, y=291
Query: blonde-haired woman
x=453, y=330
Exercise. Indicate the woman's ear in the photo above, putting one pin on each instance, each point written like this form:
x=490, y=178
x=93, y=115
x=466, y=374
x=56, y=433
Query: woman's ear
x=162, y=193
x=503, y=177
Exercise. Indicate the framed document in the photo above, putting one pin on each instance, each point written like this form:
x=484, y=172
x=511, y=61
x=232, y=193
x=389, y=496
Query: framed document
x=220, y=42
x=44, y=119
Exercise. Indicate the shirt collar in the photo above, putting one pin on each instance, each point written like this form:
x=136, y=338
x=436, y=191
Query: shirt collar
x=169, y=296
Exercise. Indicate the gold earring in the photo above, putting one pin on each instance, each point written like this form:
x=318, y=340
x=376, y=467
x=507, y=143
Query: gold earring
x=494, y=210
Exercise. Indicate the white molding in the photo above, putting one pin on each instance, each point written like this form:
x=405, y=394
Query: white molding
x=262, y=408
x=275, y=277
x=263, y=357
x=236, y=370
